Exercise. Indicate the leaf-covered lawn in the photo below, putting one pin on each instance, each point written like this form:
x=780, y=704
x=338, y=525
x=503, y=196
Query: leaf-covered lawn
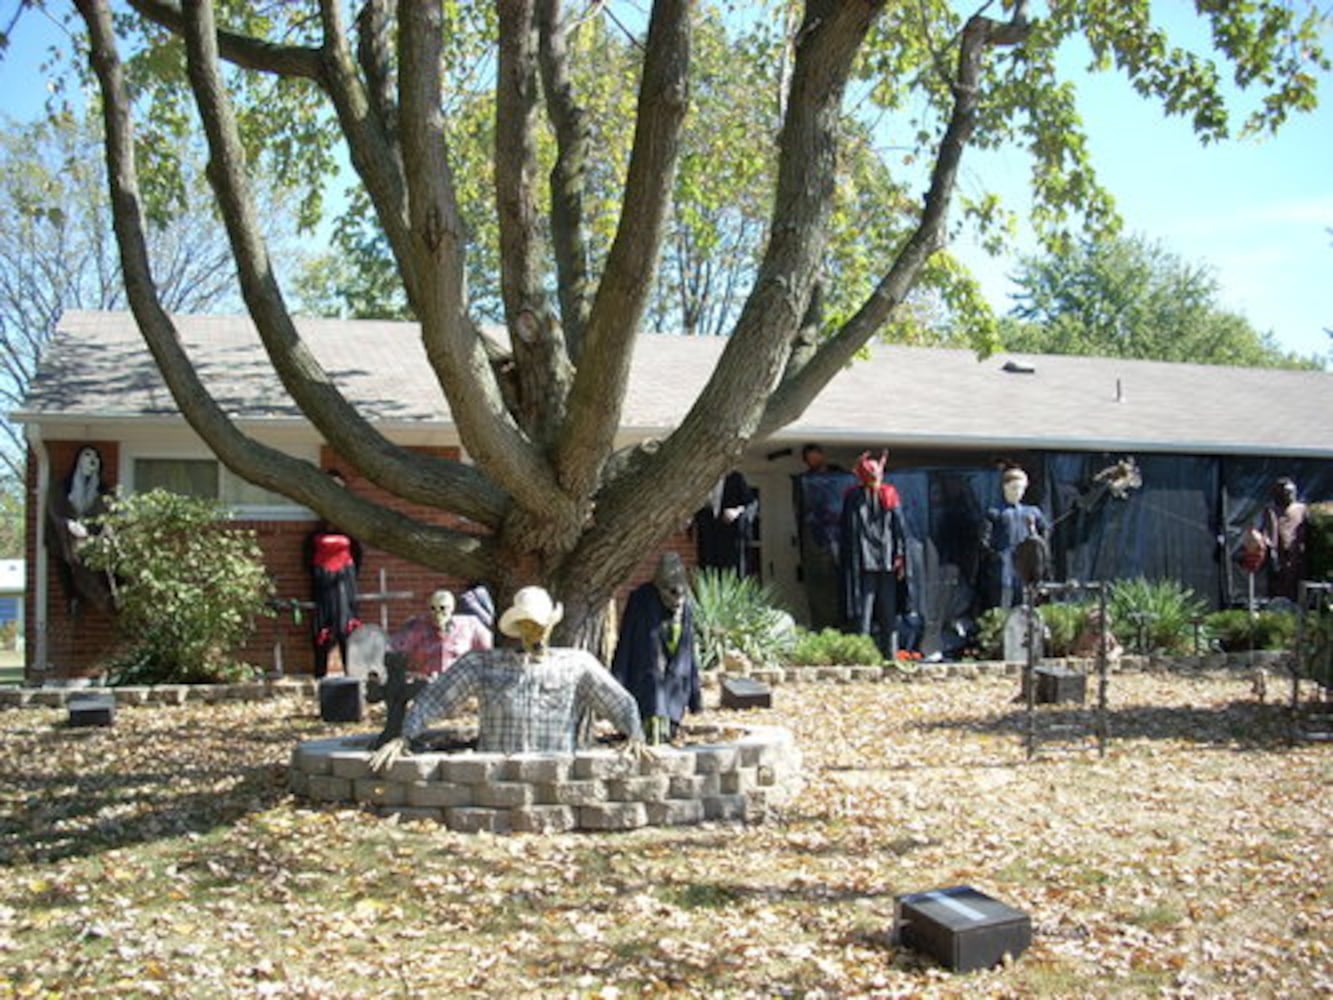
x=163, y=857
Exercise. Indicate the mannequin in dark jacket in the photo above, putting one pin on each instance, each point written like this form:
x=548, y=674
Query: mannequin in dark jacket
x=655, y=658
x=872, y=553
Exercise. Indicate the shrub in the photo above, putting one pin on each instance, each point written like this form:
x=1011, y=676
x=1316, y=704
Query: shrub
x=990, y=633
x=1236, y=632
x=1155, y=615
x=736, y=614
x=833, y=648
x=1064, y=623
x=189, y=587
x=1319, y=542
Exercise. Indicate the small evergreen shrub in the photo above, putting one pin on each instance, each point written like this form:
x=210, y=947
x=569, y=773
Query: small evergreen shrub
x=189, y=588
x=1235, y=632
x=1319, y=542
x=1064, y=623
x=990, y=633
x=831, y=648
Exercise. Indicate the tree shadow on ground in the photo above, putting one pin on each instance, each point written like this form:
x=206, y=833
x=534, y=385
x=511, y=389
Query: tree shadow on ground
x=1235, y=725
x=72, y=792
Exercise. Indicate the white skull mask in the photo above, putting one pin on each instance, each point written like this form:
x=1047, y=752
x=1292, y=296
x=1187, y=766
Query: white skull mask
x=442, y=608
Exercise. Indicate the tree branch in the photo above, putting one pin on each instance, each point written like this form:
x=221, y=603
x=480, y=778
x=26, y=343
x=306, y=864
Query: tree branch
x=434, y=481
x=452, y=342
x=539, y=349
x=445, y=548
x=567, y=176
x=644, y=500
x=804, y=381
x=597, y=398
x=243, y=50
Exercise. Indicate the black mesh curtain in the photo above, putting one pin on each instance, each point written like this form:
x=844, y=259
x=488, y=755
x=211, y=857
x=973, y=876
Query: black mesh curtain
x=1167, y=529
x=1247, y=485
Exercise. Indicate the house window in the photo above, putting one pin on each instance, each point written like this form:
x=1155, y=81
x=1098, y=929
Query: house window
x=191, y=477
x=208, y=479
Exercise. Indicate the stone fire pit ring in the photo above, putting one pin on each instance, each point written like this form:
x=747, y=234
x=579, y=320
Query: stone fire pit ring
x=742, y=779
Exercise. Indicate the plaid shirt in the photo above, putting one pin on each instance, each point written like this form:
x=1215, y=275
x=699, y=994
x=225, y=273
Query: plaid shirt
x=526, y=704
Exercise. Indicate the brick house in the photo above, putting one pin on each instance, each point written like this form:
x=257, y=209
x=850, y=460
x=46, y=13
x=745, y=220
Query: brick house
x=1210, y=440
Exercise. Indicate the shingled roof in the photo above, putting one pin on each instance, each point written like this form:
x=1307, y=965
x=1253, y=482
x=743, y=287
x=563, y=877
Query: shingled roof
x=97, y=367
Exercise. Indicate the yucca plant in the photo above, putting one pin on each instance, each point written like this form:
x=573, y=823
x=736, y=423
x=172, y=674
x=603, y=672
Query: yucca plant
x=1155, y=616
x=1236, y=631
x=1064, y=623
x=736, y=614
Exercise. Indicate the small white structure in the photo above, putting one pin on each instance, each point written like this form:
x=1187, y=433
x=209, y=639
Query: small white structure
x=13, y=585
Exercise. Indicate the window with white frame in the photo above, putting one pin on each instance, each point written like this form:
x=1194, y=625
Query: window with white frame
x=208, y=478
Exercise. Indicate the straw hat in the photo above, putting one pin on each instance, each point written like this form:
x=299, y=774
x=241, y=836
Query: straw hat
x=531, y=604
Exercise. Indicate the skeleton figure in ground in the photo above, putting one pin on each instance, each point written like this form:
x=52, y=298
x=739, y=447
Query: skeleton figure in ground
x=529, y=699
x=654, y=657
x=69, y=511
x=431, y=643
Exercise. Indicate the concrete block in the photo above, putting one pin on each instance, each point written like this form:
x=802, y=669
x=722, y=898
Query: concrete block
x=538, y=768
x=758, y=804
x=765, y=775
x=724, y=807
x=470, y=819
x=349, y=763
x=12, y=697
x=439, y=794
x=675, y=812
x=738, y=781
x=685, y=786
x=543, y=819
x=866, y=674
x=298, y=783
x=645, y=788
x=379, y=791
x=613, y=816
x=667, y=760
x=49, y=697
x=417, y=813
x=471, y=769
x=416, y=767
x=571, y=793
x=504, y=794
x=131, y=695
x=604, y=764
x=834, y=674
x=328, y=788
x=712, y=759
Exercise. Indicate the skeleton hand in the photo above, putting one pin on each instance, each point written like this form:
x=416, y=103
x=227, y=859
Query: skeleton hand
x=636, y=749
x=383, y=758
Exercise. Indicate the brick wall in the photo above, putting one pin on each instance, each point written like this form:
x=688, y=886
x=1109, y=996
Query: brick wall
x=76, y=647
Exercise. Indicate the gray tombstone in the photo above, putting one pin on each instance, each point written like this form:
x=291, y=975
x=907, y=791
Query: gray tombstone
x=1016, y=635
x=365, y=652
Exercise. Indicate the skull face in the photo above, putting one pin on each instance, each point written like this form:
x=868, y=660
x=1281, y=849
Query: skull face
x=1014, y=486
x=442, y=607
x=671, y=581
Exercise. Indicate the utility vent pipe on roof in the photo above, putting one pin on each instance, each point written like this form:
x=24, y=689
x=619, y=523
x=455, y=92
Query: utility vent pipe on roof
x=1019, y=368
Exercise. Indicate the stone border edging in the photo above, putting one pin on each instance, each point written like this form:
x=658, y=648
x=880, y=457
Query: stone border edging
x=595, y=789
x=57, y=696
x=159, y=694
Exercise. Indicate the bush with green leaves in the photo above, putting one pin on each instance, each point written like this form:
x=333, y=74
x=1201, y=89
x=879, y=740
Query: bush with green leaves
x=831, y=648
x=1064, y=623
x=990, y=633
x=736, y=614
x=1155, y=616
x=1235, y=631
x=189, y=587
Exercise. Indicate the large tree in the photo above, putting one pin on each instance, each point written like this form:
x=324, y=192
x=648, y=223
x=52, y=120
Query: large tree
x=538, y=417
x=1130, y=297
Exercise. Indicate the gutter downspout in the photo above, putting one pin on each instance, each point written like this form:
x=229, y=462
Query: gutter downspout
x=33, y=432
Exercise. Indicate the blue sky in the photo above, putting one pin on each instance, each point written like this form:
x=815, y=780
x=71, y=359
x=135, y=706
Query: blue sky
x=1258, y=212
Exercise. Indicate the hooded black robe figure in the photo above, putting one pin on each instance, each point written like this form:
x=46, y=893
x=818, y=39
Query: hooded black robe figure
x=654, y=657
x=724, y=526
x=872, y=554
x=334, y=560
